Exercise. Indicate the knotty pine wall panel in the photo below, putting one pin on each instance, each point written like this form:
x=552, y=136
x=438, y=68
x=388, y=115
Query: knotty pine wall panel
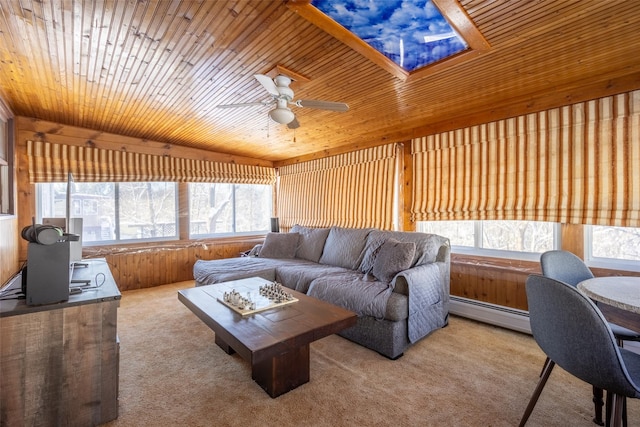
x=138, y=268
x=9, y=263
x=502, y=281
x=492, y=280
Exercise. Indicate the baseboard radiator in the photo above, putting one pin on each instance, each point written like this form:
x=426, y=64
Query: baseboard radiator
x=493, y=314
x=505, y=317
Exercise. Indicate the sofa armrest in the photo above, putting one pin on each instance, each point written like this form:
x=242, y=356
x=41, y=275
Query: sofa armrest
x=428, y=298
x=403, y=278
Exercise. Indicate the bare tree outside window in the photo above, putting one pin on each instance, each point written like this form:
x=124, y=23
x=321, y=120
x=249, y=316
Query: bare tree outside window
x=530, y=237
x=147, y=210
x=115, y=211
x=519, y=236
x=229, y=208
x=616, y=242
x=460, y=233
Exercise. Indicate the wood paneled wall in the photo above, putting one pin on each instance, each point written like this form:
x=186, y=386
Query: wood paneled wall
x=9, y=263
x=138, y=267
x=493, y=280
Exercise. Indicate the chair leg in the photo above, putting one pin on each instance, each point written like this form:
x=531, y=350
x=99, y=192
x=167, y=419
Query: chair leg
x=597, y=399
x=598, y=404
x=608, y=409
x=617, y=409
x=548, y=367
x=546, y=362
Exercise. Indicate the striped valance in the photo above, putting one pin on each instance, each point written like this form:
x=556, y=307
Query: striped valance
x=51, y=162
x=576, y=164
x=356, y=189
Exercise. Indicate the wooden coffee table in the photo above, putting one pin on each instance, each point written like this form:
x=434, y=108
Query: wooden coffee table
x=275, y=341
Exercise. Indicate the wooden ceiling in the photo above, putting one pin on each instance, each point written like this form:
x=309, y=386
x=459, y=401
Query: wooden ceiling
x=156, y=70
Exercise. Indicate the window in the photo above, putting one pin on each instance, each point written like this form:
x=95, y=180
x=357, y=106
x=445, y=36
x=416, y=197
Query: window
x=613, y=247
x=460, y=233
x=114, y=212
x=506, y=239
x=6, y=163
x=229, y=209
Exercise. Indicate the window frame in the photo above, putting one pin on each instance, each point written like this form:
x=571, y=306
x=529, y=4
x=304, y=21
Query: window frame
x=7, y=158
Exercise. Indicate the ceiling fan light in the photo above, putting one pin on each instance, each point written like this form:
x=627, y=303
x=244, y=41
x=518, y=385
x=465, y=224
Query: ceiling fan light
x=283, y=116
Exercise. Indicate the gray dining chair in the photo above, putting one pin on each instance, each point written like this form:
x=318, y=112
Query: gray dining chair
x=574, y=334
x=569, y=268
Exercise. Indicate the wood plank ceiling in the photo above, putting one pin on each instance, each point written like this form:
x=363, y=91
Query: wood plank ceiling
x=156, y=70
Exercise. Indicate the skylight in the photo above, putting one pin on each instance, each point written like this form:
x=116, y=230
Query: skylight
x=411, y=33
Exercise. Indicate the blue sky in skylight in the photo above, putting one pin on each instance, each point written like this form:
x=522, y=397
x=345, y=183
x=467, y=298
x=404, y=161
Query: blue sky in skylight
x=412, y=33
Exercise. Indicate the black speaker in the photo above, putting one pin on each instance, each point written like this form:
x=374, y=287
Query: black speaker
x=48, y=273
x=275, y=225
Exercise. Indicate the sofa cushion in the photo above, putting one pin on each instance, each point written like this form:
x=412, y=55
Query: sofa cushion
x=208, y=272
x=311, y=242
x=299, y=276
x=279, y=245
x=392, y=258
x=351, y=291
x=344, y=247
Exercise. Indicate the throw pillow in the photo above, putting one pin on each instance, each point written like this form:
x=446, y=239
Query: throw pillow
x=279, y=245
x=375, y=240
x=394, y=256
x=344, y=247
x=311, y=242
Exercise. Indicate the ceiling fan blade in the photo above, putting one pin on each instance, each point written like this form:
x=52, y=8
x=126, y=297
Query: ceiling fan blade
x=322, y=105
x=243, y=104
x=268, y=84
x=294, y=124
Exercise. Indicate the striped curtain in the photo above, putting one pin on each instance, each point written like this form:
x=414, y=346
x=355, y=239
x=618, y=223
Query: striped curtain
x=51, y=162
x=357, y=189
x=575, y=164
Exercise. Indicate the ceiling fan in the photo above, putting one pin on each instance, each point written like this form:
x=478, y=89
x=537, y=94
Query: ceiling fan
x=282, y=96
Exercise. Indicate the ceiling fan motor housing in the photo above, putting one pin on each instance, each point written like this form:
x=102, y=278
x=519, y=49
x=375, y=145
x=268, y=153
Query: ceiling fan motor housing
x=282, y=83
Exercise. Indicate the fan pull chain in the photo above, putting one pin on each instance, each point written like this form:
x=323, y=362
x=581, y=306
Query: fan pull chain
x=294, y=135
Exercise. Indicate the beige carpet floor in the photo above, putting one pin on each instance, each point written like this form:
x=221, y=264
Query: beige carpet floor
x=467, y=374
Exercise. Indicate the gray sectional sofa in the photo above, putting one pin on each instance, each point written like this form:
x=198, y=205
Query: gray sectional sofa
x=397, y=282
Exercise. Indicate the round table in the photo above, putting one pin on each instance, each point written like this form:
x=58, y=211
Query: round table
x=622, y=292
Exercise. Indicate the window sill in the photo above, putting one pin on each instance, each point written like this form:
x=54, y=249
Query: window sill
x=142, y=247
x=493, y=263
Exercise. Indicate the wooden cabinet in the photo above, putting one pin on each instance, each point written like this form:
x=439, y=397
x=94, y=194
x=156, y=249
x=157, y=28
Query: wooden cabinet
x=59, y=362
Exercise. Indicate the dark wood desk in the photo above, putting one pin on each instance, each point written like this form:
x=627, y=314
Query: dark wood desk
x=275, y=341
x=59, y=362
